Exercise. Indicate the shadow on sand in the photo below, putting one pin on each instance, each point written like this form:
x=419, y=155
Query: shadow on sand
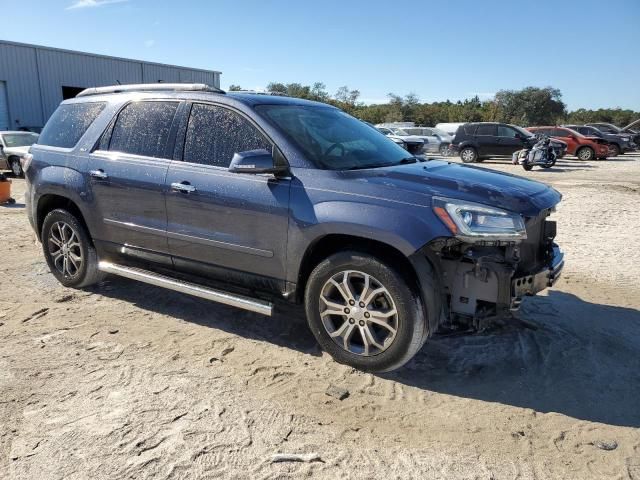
x=565, y=355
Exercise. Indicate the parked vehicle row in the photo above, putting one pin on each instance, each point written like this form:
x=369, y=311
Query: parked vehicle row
x=479, y=140
x=585, y=148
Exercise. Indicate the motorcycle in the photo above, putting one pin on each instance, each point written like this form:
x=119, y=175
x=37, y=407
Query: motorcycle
x=542, y=154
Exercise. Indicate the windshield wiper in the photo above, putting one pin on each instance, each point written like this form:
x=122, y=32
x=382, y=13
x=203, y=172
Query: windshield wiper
x=382, y=165
x=407, y=160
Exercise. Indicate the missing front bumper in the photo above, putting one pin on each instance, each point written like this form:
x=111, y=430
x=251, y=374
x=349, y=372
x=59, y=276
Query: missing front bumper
x=534, y=283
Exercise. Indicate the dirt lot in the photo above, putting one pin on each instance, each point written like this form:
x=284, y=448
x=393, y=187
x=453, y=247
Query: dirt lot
x=130, y=381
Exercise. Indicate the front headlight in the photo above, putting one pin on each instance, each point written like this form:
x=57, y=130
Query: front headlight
x=473, y=221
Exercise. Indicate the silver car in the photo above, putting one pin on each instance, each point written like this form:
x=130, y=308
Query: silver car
x=439, y=140
x=13, y=146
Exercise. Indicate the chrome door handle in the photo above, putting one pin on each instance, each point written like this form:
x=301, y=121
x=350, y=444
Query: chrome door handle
x=183, y=187
x=99, y=174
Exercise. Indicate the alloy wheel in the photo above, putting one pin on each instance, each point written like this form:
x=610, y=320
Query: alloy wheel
x=358, y=313
x=468, y=155
x=16, y=169
x=64, y=248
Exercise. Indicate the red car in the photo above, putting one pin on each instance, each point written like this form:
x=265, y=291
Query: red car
x=585, y=148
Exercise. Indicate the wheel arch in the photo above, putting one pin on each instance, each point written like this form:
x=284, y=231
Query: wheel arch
x=52, y=201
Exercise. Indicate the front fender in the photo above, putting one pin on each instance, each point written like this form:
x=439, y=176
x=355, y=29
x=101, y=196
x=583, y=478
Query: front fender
x=404, y=227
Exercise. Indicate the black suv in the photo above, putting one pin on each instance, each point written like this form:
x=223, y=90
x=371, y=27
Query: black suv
x=248, y=199
x=477, y=141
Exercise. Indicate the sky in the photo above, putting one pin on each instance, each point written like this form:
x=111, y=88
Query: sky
x=438, y=50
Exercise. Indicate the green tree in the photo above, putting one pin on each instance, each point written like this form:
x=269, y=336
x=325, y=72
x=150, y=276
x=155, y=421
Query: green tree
x=235, y=88
x=530, y=106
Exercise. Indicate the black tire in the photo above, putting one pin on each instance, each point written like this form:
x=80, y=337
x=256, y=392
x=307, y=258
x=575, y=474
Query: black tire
x=468, y=155
x=411, y=327
x=614, y=150
x=16, y=168
x=585, y=154
x=444, y=150
x=527, y=167
x=87, y=272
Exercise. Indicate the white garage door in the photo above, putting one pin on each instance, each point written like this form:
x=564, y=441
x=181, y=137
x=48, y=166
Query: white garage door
x=4, y=107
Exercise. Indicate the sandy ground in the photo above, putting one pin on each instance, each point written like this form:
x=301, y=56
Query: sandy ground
x=126, y=380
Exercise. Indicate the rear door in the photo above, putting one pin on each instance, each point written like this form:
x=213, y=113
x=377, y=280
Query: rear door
x=487, y=140
x=223, y=224
x=508, y=140
x=127, y=177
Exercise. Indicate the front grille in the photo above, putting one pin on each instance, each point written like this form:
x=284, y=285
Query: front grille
x=534, y=251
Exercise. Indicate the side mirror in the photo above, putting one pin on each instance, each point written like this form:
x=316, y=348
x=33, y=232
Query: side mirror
x=255, y=161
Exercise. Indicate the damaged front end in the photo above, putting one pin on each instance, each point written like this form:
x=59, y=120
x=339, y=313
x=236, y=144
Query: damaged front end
x=493, y=260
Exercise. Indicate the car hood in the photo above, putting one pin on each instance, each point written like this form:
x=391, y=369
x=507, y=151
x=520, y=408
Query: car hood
x=20, y=151
x=417, y=183
x=412, y=138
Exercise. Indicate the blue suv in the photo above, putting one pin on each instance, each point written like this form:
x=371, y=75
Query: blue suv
x=250, y=199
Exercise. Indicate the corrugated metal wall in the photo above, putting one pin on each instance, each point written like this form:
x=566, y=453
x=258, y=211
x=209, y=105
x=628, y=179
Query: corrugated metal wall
x=19, y=71
x=35, y=76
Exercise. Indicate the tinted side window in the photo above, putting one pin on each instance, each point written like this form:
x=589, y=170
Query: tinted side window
x=142, y=128
x=469, y=128
x=484, y=129
x=559, y=133
x=506, y=132
x=215, y=134
x=68, y=123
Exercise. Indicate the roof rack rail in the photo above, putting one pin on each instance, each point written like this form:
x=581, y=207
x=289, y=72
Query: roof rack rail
x=150, y=87
x=257, y=92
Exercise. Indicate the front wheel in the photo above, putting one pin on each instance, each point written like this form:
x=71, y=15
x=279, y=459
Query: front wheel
x=364, y=313
x=527, y=167
x=614, y=150
x=444, y=150
x=16, y=168
x=468, y=155
x=68, y=250
x=586, y=153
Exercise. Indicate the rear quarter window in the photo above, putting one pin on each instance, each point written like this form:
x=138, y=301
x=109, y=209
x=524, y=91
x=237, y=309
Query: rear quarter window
x=68, y=123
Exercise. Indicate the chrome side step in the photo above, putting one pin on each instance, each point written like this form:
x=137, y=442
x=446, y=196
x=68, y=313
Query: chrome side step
x=239, y=301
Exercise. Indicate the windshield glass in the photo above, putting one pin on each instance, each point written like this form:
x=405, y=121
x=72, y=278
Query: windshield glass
x=522, y=131
x=331, y=139
x=20, y=139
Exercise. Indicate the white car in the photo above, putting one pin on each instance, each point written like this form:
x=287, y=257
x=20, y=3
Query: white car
x=415, y=145
x=13, y=146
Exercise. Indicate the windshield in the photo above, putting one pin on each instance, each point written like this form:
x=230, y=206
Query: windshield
x=522, y=131
x=401, y=132
x=20, y=139
x=333, y=140
x=439, y=132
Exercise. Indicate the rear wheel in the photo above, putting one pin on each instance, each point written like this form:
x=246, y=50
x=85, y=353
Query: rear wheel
x=614, y=150
x=585, y=153
x=444, y=150
x=364, y=313
x=16, y=168
x=468, y=155
x=68, y=250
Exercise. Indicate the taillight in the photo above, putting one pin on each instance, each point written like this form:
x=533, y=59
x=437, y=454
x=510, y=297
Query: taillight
x=25, y=161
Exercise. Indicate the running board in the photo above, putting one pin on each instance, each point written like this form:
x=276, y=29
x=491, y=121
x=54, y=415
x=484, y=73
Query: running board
x=239, y=301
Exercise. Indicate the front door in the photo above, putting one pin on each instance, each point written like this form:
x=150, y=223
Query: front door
x=127, y=177
x=508, y=140
x=222, y=224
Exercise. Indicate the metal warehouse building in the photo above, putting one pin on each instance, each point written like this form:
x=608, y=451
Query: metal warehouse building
x=35, y=79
